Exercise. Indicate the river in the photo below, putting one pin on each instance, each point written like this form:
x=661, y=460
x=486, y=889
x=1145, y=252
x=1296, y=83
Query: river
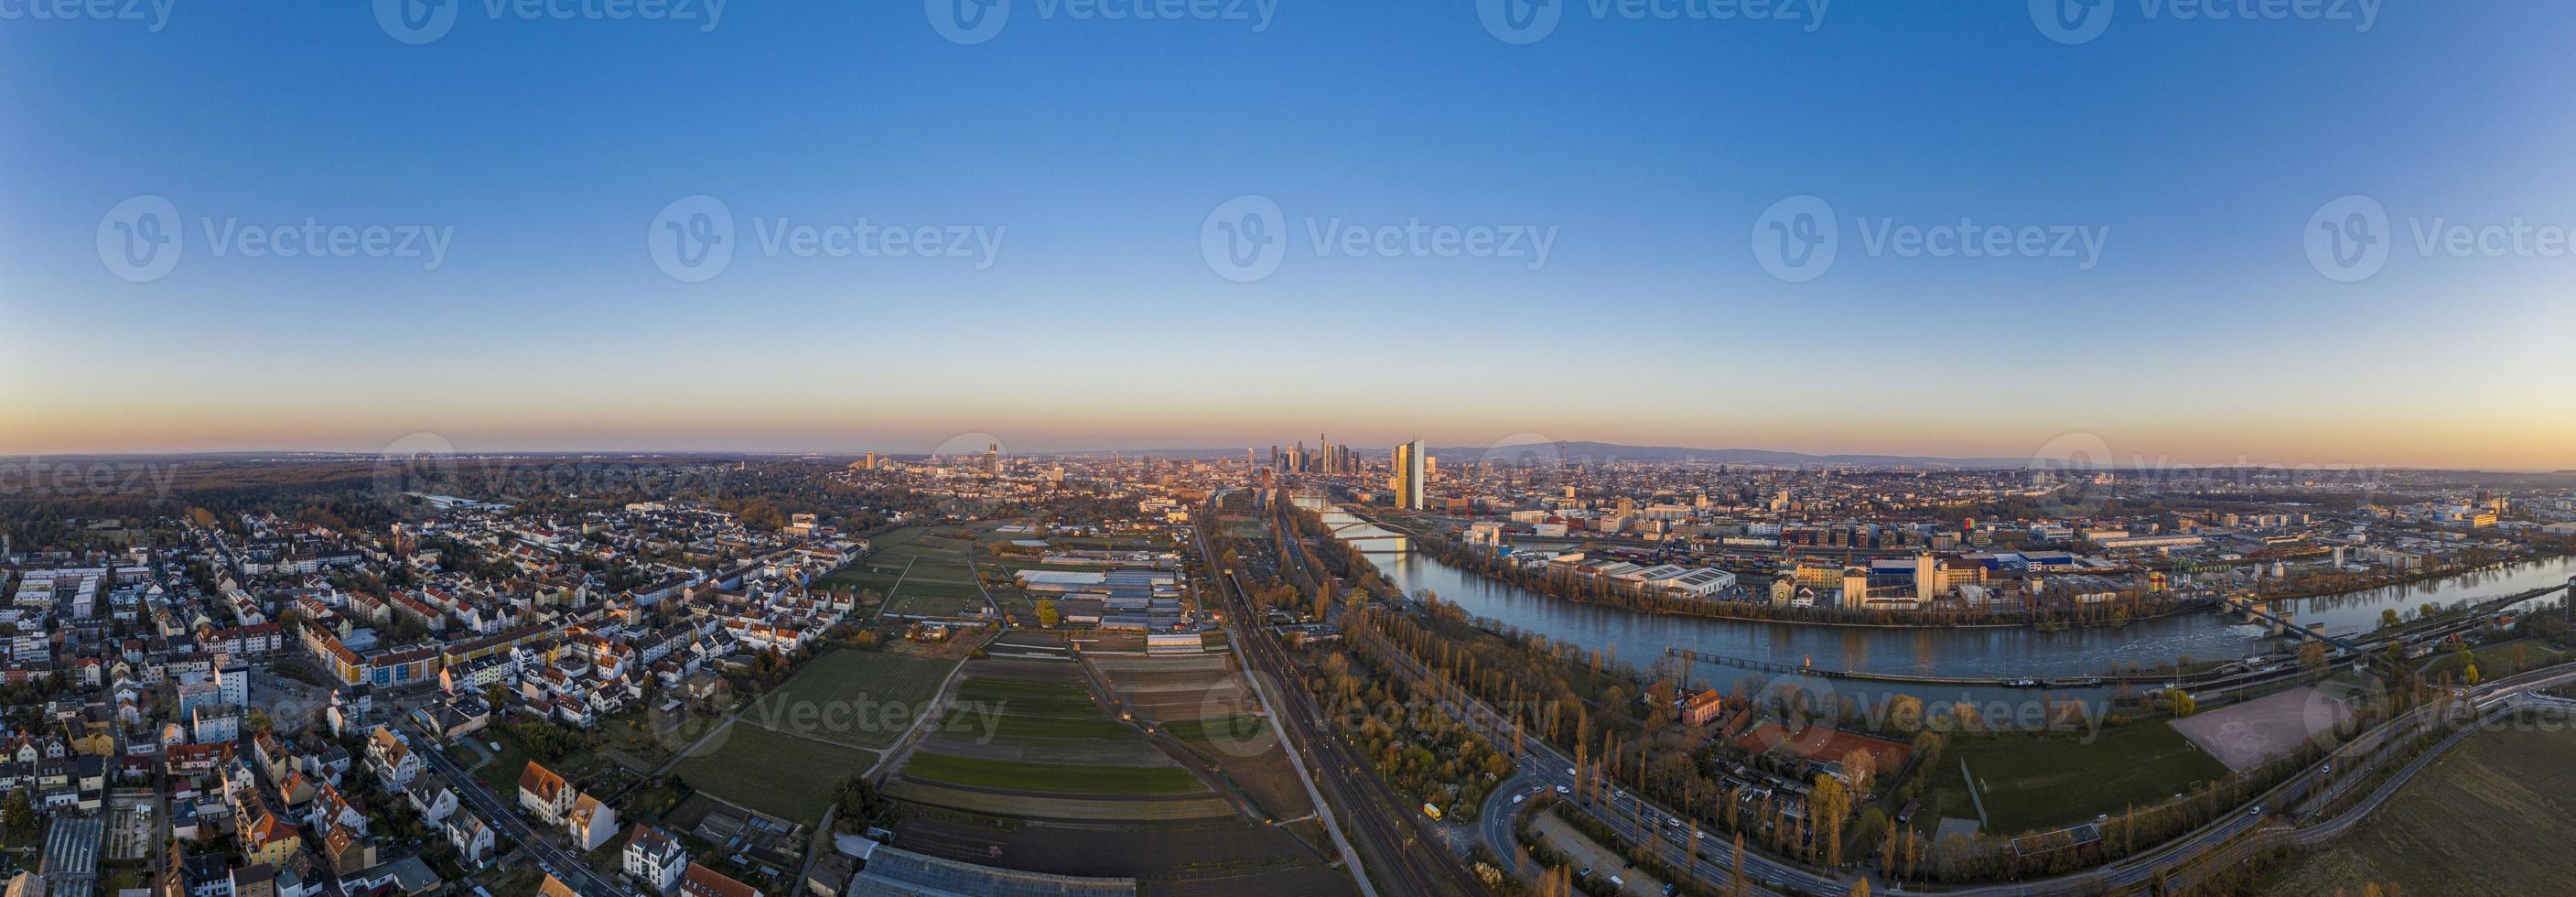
x=1999, y=652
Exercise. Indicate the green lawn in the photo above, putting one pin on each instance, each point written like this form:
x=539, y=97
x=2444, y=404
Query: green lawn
x=777, y=774
x=2042, y=782
x=1051, y=777
x=859, y=698
x=2497, y=660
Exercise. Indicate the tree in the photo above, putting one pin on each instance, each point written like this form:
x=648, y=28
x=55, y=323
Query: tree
x=1047, y=614
x=1736, y=884
x=1861, y=769
x=2182, y=702
x=1860, y=888
x=2388, y=619
x=20, y=813
x=2471, y=675
x=1831, y=805
x=859, y=802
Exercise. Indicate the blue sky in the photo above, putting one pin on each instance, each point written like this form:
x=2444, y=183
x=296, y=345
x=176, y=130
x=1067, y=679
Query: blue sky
x=1091, y=153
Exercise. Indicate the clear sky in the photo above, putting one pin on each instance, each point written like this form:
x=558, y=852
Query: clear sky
x=520, y=161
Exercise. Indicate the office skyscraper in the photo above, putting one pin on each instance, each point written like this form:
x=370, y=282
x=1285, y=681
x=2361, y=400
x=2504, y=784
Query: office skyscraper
x=1410, y=475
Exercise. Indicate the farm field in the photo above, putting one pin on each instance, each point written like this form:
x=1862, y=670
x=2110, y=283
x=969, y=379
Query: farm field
x=858, y=698
x=1218, y=856
x=1031, y=772
x=773, y=772
x=2487, y=818
x=1063, y=778
x=1030, y=728
x=1204, y=703
x=2042, y=782
x=937, y=581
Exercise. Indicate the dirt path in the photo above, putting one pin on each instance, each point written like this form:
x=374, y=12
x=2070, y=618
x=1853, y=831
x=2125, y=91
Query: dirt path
x=893, y=756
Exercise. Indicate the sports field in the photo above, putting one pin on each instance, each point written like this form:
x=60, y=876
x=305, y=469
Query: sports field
x=2245, y=736
x=2041, y=782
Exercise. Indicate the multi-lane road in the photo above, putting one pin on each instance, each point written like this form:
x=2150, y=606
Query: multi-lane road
x=1404, y=857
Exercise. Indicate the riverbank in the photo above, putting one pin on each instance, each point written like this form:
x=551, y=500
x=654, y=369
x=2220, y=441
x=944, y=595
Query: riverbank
x=2189, y=641
x=1601, y=593
x=2416, y=578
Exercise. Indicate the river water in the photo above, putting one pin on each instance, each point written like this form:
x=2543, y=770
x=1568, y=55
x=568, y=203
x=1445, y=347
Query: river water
x=2000, y=652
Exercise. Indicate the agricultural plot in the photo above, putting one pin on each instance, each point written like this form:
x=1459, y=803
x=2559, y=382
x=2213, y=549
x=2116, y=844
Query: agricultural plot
x=937, y=580
x=1030, y=728
x=773, y=772
x=1029, y=771
x=1205, y=703
x=858, y=698
x=2487, y=818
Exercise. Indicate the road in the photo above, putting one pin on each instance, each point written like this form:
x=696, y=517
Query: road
x=563, y=866
x=1494, y=823
x=1410, y=859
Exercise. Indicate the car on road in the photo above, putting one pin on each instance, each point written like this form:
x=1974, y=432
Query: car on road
x=1517, y=798
x=2257, y=811
x=1560, y=789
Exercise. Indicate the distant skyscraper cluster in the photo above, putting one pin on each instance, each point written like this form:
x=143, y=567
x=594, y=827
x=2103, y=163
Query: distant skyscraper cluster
x=1327, y=459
